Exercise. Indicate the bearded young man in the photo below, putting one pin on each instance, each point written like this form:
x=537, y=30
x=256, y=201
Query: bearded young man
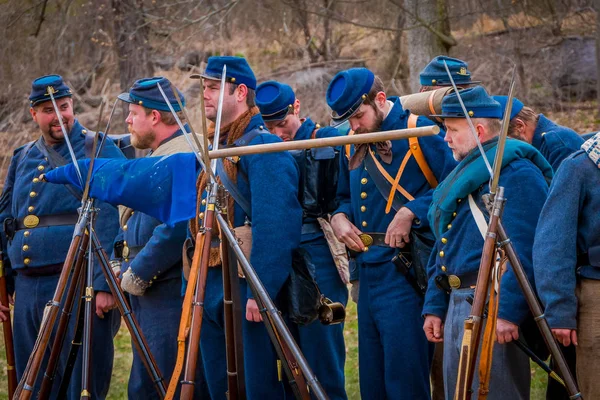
x=389, y=307
x=456, y=204
x=37, y=231
x=149, y=250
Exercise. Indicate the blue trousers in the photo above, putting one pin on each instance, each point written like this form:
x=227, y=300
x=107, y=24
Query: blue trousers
x=158, y=313
x=394, y=356
x=260, y=360
x=31, y=295
x=323, y=346
x=510, y=375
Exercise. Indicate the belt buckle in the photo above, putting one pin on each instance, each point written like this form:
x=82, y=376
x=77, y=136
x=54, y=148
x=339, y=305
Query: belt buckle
x=454, y=281
x=366, y=239
x=125, y=251
x=31, y=221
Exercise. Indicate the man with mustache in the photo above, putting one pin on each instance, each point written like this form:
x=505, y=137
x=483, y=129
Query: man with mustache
x=323, y=346
x=150, y=255
x=458, y=218
x=394, y=356
x=37, y=230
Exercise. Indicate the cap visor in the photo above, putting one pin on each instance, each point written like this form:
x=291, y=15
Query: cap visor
x=125, y=97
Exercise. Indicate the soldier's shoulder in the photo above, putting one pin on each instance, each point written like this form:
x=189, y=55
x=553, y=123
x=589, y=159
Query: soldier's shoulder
x=22, y=148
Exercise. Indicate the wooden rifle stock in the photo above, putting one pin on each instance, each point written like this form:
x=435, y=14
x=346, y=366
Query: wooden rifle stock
x=187, y=385
x=63, y=323
x=473, y=324
x=9, y=346
x=184, y=323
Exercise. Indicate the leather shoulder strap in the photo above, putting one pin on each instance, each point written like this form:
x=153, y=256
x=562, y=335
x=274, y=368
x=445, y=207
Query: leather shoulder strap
x=416, y=151
x=347, y=147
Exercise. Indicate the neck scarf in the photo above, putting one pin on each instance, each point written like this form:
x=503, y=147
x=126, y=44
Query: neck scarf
x=592, y=148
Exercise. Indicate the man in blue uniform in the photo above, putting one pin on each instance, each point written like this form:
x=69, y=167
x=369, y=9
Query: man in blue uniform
x=323, y=346
x=434, y=75
x=457, y=205
x=37, y=230
x=566, y=260
x=151, y=250
x=555, y=142
x=394, y=357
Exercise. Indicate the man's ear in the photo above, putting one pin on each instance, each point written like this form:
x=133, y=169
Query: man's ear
x=520, y=127
x=380, y=99
x=481, y=131
x=33, y=114
x=297, y=107
x=241, y=93
x=156, y=117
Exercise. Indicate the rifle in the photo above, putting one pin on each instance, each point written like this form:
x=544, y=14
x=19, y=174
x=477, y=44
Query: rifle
x=9, y=346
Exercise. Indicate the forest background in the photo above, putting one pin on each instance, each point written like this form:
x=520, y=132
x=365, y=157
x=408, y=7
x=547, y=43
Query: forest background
x=101, y=47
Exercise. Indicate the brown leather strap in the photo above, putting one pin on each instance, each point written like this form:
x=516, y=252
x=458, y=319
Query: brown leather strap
x=416, y=151
x=313, y=135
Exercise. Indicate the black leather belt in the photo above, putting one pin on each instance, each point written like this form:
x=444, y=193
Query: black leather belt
x=129, y=252
x=592, y=257
x=42, y=221
x=311, y=227
x=448, y=283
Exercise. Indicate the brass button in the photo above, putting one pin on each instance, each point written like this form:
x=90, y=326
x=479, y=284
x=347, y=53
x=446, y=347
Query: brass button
x=201, y=215
x=26, y=261
x=415, y=147
x=444, y=240
x=203, y=202
x=449, y=226
x=125, y=227
x=366, y=249
x=30, y=208
x=133, y=212
x=32, y=194
x=124, y=242
x=26, y=233
x=261, y=127
x=84, y=131
x=25, y=247
x=454, y=214
x=317, y=126
x=459, y=200
x=442, y=253
x=363, y=208
x=444, y=268
x=363, y=195
x=40, y=167
x=364, y=181
x=126, y=259
x=36, y=180
x=364, y=223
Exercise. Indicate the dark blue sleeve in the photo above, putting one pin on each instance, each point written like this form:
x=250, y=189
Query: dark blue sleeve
x=276, y=215
x=555, y=247
x=436, y=300
x=162, y=251
x=343, y=189
x=526, y=192
x=6, y=212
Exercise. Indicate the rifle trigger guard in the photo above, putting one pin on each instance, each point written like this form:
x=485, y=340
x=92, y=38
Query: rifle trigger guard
x=503, y=243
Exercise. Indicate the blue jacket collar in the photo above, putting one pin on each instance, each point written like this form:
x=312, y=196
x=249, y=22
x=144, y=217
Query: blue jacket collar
x=394, y=115
x=305, y=130
x=543, y=125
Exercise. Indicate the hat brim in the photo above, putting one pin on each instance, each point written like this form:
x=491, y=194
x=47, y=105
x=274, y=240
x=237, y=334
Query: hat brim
x=204, y=76
x=126, y=98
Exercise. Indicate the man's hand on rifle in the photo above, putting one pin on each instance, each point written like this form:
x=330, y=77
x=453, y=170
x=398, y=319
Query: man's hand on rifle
x=398, y=231
x=346, y=232
x=252, y=312
x=104, y=303
x=434, y=329
x=565, y=336
x=506, y=331
x=5, y=309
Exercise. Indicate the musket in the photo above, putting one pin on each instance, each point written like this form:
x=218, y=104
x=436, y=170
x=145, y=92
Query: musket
x=9, y=346
x=473, y=323
x=187, y=385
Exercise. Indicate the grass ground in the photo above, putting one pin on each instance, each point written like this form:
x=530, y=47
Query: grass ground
x=118, y=389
